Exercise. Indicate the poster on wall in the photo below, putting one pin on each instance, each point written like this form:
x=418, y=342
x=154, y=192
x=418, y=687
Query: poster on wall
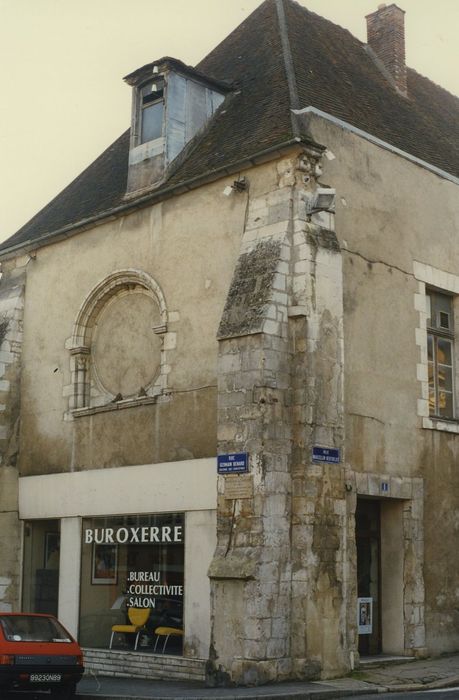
x=104, y=564
x=365, y=615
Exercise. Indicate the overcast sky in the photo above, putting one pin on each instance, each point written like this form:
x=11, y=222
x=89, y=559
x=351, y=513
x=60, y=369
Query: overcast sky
x=62, y=62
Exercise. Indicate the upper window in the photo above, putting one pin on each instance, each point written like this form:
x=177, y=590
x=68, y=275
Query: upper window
x=151, y=110
x=440, y=353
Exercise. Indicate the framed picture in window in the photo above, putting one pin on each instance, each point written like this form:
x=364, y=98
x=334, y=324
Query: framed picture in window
x=104, y=564
x=51, y=553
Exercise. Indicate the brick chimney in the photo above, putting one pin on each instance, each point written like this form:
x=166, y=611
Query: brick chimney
x=386, y=37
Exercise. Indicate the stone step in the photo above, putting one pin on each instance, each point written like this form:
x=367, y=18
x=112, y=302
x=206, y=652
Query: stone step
x=182, y=662
x=106, y=662
x=384, y=660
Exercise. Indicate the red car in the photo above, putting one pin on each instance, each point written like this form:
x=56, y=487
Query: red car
x=37, y=653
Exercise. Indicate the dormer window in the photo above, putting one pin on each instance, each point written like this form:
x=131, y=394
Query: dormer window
x=171, y=103
x=151, y=110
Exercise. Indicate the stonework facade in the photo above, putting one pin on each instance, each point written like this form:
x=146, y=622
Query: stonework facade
x=277, y=306
x=280, y=544
x=12, y=288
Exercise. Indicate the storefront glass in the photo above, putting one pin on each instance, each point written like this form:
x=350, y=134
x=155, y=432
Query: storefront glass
x=41, y=566
x=132, y=562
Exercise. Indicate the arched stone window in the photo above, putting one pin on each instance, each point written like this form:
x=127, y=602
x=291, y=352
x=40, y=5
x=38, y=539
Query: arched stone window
x=119, y=341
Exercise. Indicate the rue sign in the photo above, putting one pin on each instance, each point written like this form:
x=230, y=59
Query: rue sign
x=327, y=455
x=234, y=463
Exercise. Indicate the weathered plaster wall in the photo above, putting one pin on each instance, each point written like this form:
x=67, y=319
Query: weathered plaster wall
x=188, y=248
x=161, y=432
x=391, y=212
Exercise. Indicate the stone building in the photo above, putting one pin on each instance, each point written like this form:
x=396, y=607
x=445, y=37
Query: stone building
x=263, y=267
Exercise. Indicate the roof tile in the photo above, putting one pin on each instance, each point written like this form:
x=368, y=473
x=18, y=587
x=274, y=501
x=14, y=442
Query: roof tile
x=332, y=71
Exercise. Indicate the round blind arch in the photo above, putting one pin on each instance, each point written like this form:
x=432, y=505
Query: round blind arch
x=95, y=389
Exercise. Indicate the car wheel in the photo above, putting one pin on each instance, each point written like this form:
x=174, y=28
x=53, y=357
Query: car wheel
x=66, y=692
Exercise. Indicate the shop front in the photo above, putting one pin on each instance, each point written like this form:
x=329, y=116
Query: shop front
x=122, y=582
x=131, y=564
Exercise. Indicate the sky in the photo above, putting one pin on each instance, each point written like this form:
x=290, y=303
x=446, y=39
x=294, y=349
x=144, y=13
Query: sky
x=62, y=64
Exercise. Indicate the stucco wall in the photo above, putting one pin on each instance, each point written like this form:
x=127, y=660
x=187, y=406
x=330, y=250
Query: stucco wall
x=389, y=213
x=188, y=247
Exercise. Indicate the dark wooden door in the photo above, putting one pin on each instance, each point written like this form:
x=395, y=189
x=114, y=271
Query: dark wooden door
x=368, y=540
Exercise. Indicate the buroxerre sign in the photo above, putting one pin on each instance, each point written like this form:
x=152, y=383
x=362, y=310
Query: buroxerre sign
x=133, y=535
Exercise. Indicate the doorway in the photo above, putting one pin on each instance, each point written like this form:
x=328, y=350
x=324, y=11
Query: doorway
x=368, y=542
x=40, y=585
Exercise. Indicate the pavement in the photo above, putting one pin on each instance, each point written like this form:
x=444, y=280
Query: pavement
x=385, y=676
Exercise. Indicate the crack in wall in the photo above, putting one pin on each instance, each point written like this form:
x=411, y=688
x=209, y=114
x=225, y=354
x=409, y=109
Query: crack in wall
x=377, y=262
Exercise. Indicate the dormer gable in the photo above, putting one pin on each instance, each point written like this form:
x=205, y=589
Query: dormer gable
x=171, y=102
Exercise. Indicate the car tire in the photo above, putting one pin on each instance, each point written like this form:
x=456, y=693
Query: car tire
x=66, y=692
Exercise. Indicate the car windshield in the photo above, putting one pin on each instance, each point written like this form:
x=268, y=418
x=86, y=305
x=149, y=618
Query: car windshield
x=31, y=628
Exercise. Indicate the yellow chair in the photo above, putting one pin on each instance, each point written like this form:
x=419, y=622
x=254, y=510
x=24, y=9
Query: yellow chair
x=138, y=618
x=166, y=632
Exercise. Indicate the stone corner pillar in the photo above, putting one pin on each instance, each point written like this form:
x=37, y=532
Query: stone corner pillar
x=12, y=287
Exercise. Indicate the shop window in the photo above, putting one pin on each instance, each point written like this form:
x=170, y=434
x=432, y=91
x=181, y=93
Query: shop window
x=440, y=353
x=132, y=562
x=41, y=566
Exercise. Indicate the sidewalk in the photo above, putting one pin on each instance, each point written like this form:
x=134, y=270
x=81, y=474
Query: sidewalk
x=436, y=673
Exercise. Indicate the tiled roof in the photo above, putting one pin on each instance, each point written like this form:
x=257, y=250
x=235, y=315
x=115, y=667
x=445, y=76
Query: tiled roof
x=280, y=52
x=335, y=74
x=97, y=189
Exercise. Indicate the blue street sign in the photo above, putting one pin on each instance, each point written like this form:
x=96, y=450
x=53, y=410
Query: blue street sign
x=235, y=463
x=329, y=455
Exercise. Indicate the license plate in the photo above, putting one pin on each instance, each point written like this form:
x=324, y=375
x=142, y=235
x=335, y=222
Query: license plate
x=45, y=677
